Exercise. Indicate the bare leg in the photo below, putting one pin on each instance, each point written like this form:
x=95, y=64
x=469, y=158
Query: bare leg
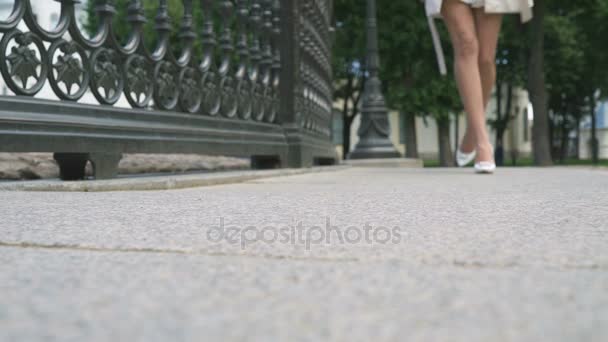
x=460, y=21
x=488, y=29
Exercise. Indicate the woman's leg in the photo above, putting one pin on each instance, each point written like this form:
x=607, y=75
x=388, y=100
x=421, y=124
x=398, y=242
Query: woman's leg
x=460, y=21
x=488, y=29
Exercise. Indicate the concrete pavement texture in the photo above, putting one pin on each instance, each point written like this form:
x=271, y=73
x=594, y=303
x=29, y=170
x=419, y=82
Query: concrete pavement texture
x=357, y=254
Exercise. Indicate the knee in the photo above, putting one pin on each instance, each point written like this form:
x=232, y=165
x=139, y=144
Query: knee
x=467, y=46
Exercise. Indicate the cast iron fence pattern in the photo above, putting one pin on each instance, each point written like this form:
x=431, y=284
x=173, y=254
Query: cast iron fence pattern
x=261, y=87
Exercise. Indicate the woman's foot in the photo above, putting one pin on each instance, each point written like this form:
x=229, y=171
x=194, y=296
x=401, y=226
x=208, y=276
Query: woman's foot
x=468, y=143
x=485, y=153
x=485, y=159
x=464, y=159
x=466, y=152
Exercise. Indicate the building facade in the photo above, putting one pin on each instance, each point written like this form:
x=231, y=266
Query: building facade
x=601, y=117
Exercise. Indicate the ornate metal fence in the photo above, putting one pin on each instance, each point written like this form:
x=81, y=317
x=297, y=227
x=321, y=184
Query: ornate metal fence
x=261, y=87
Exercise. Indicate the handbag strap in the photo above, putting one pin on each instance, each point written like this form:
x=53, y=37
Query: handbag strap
x=438, y=48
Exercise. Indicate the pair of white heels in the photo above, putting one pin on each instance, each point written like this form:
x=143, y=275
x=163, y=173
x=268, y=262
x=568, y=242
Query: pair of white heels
x=485, y=167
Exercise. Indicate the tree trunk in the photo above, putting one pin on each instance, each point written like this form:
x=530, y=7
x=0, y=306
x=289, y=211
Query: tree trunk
x=348, y=121
x=564, y=140
x=411, y=141
x=499, y=117
x=500, y=125
x=446, y=158
x=345, y=131
x=508, y=118
x=537, y=87
x=456, y=133
x=508, y=114
x=594, y=142
x=578, y=136
x=552, y=132
x=345, y=122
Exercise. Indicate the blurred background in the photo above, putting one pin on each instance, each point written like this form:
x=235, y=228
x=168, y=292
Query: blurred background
x=426, y=115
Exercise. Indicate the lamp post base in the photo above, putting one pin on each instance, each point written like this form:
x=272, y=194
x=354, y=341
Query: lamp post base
x=374, y=152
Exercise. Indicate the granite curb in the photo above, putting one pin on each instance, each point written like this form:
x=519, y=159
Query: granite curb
x=163, y=182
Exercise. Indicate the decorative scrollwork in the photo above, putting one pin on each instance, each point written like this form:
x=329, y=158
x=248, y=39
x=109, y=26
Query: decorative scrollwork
x=23, y=62
x=60, y=28
x=267, y=104
x=257, y=99
x=243, y=84
x=166, y=89
x=273, y=109
x=139, y=83
x=276, y=61
x=227, y=87
x=237, y=75
x=211, y=93
x=228, y=93
x=243, y=91
x=107, y=75
x=267, y=59
x=190, y=94
x=14, y=18
x=186, y=35
x=69, y=69
x=104, y=11
x=256, y=93
x=136, y=19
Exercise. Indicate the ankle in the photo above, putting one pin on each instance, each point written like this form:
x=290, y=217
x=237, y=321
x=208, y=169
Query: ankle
x=467, y=145
x=485, y=153
x=483, y=147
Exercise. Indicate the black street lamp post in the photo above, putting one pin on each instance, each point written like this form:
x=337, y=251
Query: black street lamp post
x=374, y=131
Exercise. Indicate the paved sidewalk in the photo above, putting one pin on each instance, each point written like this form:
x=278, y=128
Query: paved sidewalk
x=518, y=256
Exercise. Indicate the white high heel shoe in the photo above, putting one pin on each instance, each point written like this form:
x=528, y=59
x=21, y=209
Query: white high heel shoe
x=463, y=159
x=486, y=167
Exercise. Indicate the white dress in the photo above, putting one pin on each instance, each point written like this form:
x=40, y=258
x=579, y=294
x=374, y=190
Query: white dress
x=433, y=7
x=433, y=10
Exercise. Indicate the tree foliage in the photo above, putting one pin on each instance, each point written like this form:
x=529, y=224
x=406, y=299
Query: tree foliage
x=575, y=62
x=122, y=28
x=576, y=66
x=411, y=81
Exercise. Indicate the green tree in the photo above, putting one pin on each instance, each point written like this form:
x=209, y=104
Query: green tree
x=349, y=62
x=592, y=18
x=510, y=73
x=411, y=81
x=564, y=66
x=537, y=87
x=576, y=68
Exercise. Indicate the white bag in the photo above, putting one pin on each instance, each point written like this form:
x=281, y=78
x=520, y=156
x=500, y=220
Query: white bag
x=524, y=7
